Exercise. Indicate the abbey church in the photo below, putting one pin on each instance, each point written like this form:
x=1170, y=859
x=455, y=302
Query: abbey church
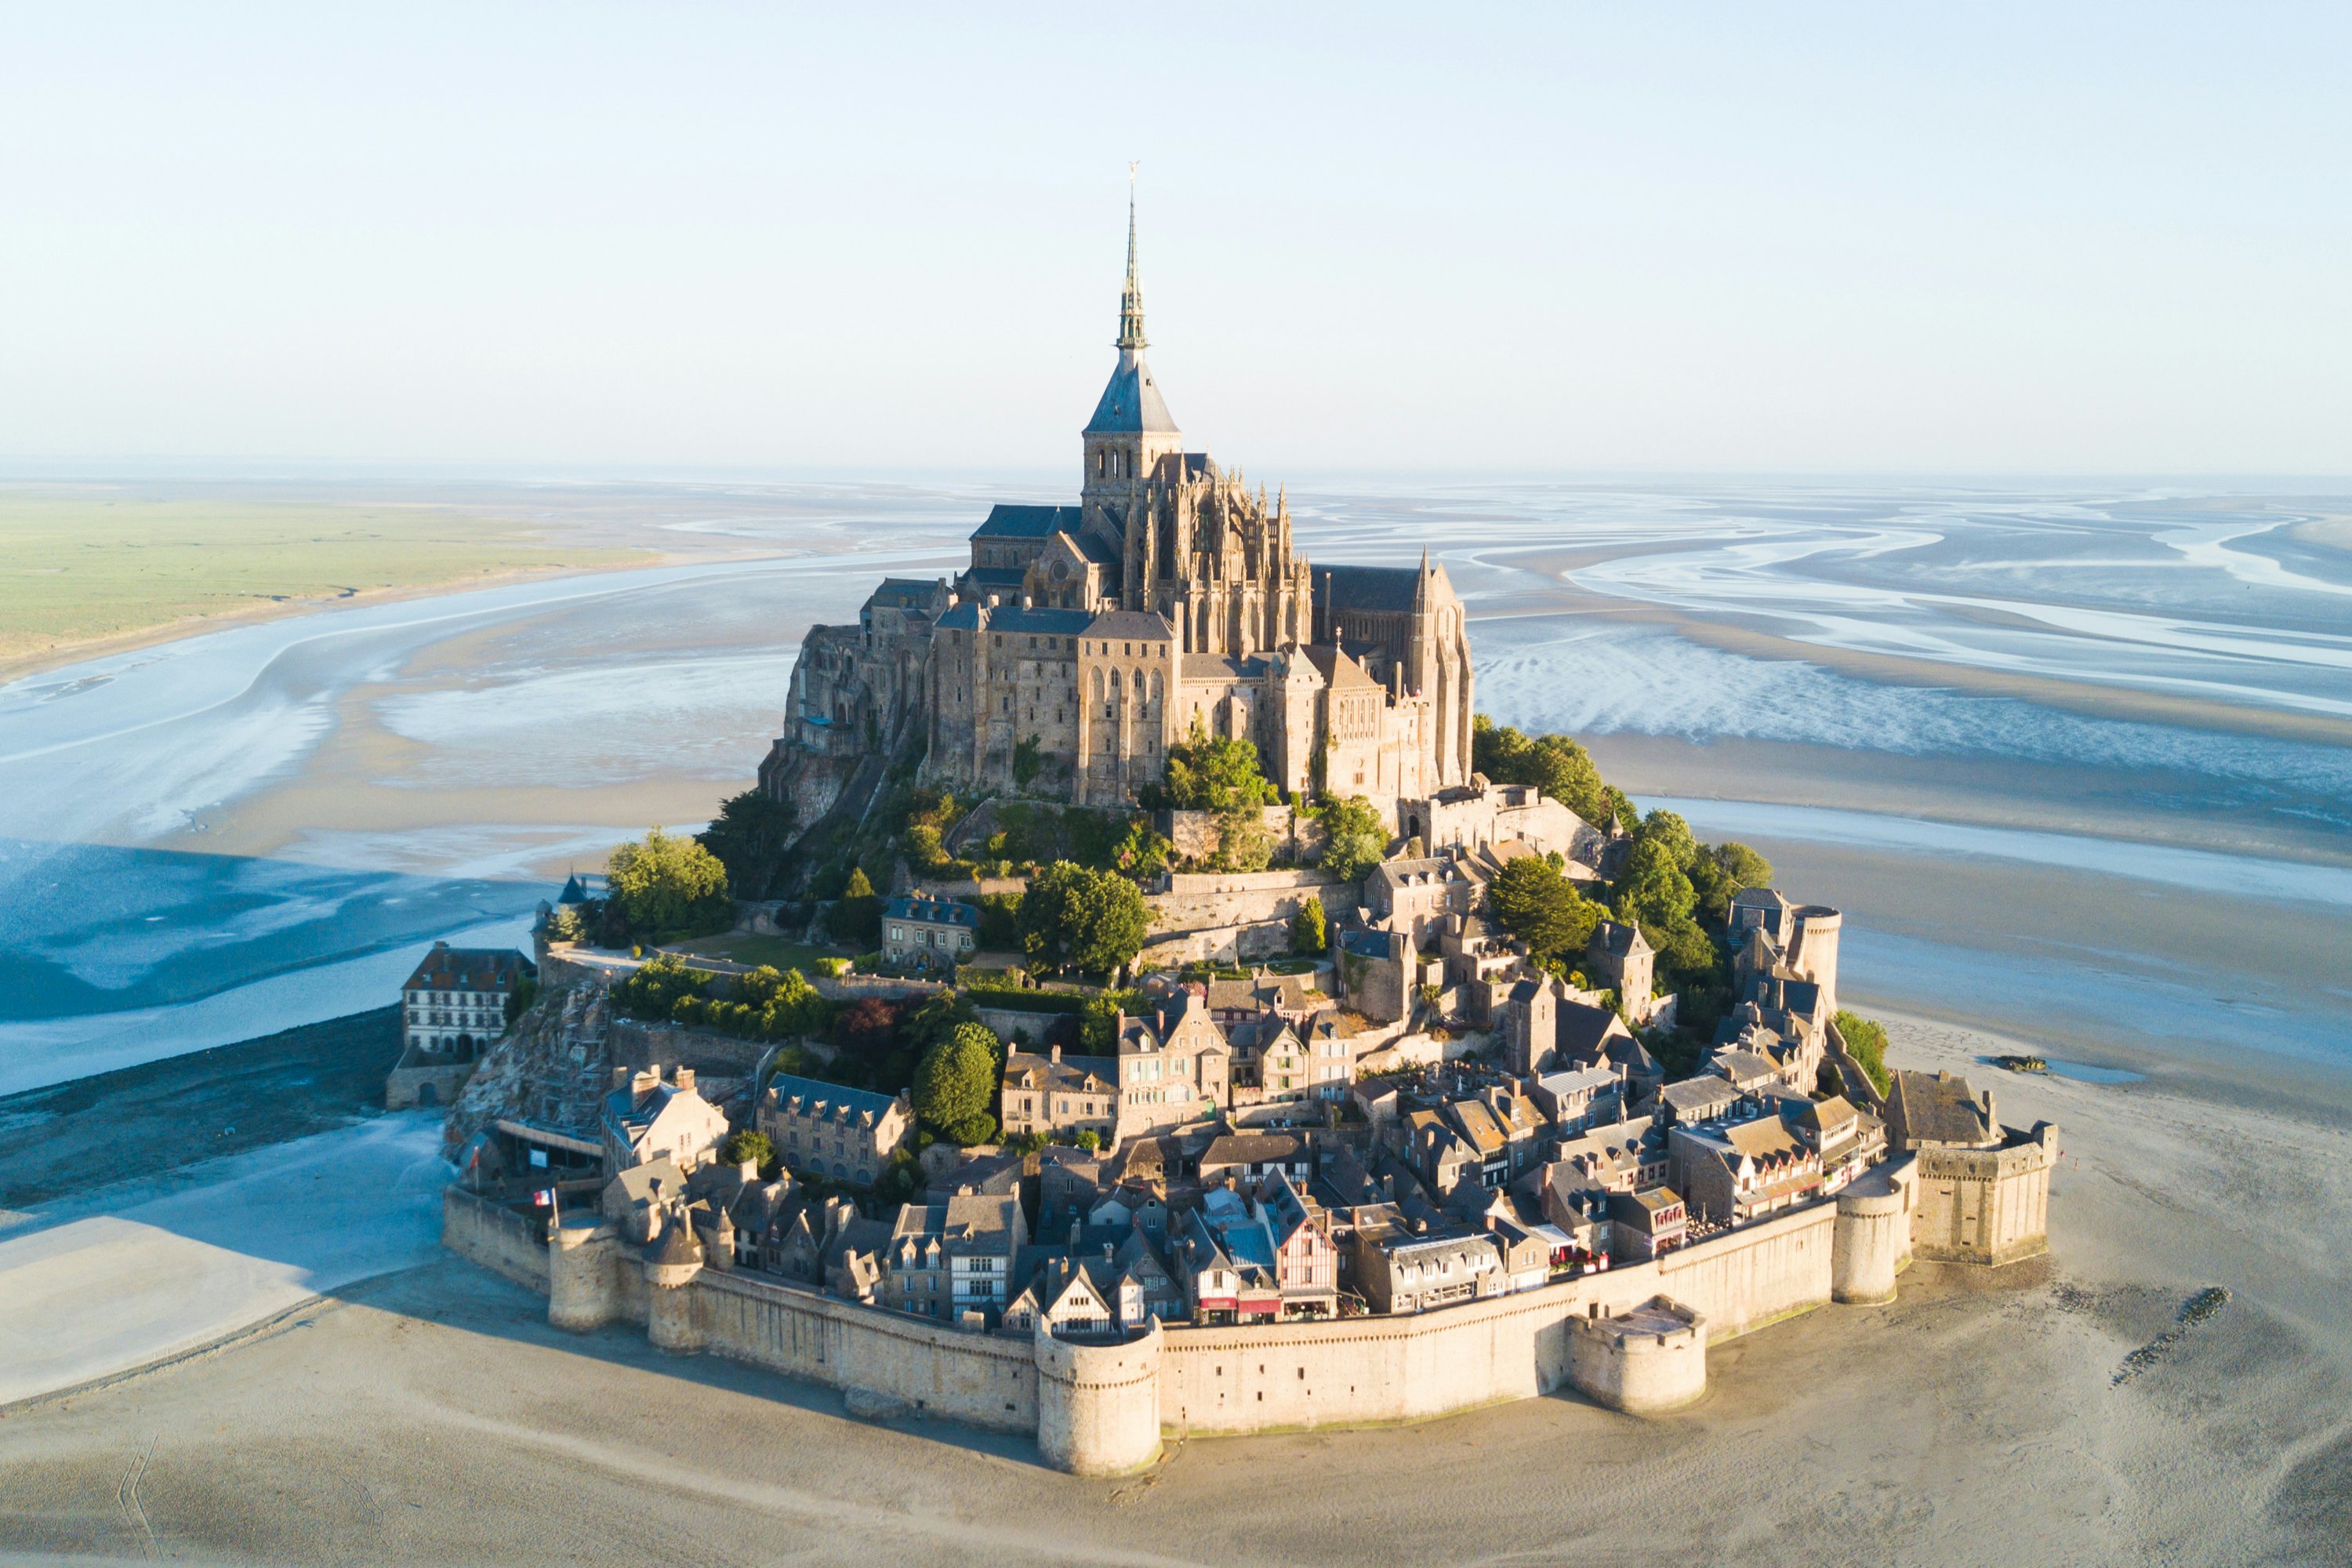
x=1082, y=641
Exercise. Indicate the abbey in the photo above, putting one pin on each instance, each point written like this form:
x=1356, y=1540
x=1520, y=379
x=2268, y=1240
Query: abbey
x=1082, y=641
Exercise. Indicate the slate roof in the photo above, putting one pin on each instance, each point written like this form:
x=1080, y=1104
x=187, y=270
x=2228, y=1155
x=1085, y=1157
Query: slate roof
x=1148, y=625
x=1013, y=619
x=468, y=969
x=1582, y=1029
x=1222, y=667
x=936, y=911
x=1366, y=587
x=1130, y=401
x=843, y=1104
x=1939, y=1109
x=1011, y=521
x=1085, y=1074
x=1339, y=668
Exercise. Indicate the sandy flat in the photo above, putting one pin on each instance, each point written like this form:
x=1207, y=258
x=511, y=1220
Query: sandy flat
x=95, y=1296
x=432, y=1416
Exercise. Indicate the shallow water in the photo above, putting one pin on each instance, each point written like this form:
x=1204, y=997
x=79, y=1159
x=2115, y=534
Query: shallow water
x=237, y=832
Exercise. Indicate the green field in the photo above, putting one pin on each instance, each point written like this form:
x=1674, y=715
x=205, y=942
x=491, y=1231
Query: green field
x=78, y=568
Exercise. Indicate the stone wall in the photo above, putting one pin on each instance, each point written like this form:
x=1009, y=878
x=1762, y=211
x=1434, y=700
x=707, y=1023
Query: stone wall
x=1195, y=836
x=1986, y=1205
x=982, y=1379
x=1205, y=900
x=1354, y=1370
x=1099, y=1409
x=637, y=1045
x=495, y=1237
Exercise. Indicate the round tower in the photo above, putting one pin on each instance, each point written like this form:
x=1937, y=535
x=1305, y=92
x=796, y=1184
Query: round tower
x=581, y=1293
x=1871, y=1240
x=671, y=1264
x=1099, y=1404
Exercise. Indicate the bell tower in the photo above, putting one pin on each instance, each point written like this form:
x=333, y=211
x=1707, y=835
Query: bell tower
x=1131, y=429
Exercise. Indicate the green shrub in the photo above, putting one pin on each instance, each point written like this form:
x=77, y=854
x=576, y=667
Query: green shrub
x=1865, y=1042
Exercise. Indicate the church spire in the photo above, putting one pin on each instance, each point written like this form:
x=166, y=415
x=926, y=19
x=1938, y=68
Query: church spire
x=1131, y=303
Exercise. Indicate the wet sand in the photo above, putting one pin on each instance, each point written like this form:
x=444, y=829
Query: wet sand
x=142, y=1123
x=431, y=1417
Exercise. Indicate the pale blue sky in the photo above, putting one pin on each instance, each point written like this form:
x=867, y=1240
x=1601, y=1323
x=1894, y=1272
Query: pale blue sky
x=1868, y=237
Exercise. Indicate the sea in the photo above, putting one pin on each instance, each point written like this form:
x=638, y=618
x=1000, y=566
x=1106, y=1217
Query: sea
x=2075, y=758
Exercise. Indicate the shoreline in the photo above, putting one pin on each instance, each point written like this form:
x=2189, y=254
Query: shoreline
x=66, y=655
x=1998, y=1386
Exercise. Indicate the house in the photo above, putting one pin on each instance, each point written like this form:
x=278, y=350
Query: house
x=1526, y=1020
x=823, y=1129
x=944, y=1259
x=453, y=1004
x=1306, y=1264
x=1174, y=1066
x=1646, y=1223
x=1620, y=958
x=1588, y=1036
x=924, y=932
x=1577, y=1099
x=1059, y=1096
x=1623, y=1157
x=1745, y=1170
x=1848, y=1141
x=1439, y=1154
x=1226, y=1259
x=1252, y=1157
x=1706, y=1098
x=1938, y=1109
x=1407, y=1271
x=648, y=1118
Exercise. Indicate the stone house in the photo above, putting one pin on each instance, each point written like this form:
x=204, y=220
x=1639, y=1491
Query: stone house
x=1418, y=1272
x=925, y=933
x=648, y=1118
x=1745, y=1170
x=1306, y=1263
x=1646, y=1223
x=1059, y=1096
x=1620, y=958
x=823, y=1129
x=1579, y=1099
x=944, y=1259
x=1253, y=1157
x=452, y=1006
x=1174, y=1066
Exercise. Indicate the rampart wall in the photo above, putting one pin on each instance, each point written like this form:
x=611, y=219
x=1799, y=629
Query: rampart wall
x=1208, y=1380
x=495, y=1237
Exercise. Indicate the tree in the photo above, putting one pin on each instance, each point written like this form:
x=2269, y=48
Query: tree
x=669, y=887
x=1142, y=852
x=955, y=1084
x=867, y=1028
x=1209, y=773
x=1539, y=906
x=1310, y=928
x=747, y=1144
x=1096, y=921
x=1652, y=889
x=1000, y=922
x=1719, y=872
x=782, y=1003
x=1556, y=764
x=1099, y=1021
x=1354, y=838
x=934, y=1019
x=750, y=836
x=1088, y=1138
x=1028, y=761
x=1671, y=832
x=856, y=917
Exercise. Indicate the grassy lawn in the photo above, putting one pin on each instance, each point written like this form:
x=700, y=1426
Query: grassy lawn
x=745, y=948
x=81, y=567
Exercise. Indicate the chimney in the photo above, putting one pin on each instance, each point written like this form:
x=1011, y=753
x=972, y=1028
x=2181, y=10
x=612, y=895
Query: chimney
x=646, y=1080
x=685, y=1079
x=1053, y=1053
x=620, y=1076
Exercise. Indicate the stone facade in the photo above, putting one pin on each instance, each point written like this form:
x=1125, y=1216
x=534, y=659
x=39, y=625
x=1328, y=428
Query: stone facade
x=1081, y=642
